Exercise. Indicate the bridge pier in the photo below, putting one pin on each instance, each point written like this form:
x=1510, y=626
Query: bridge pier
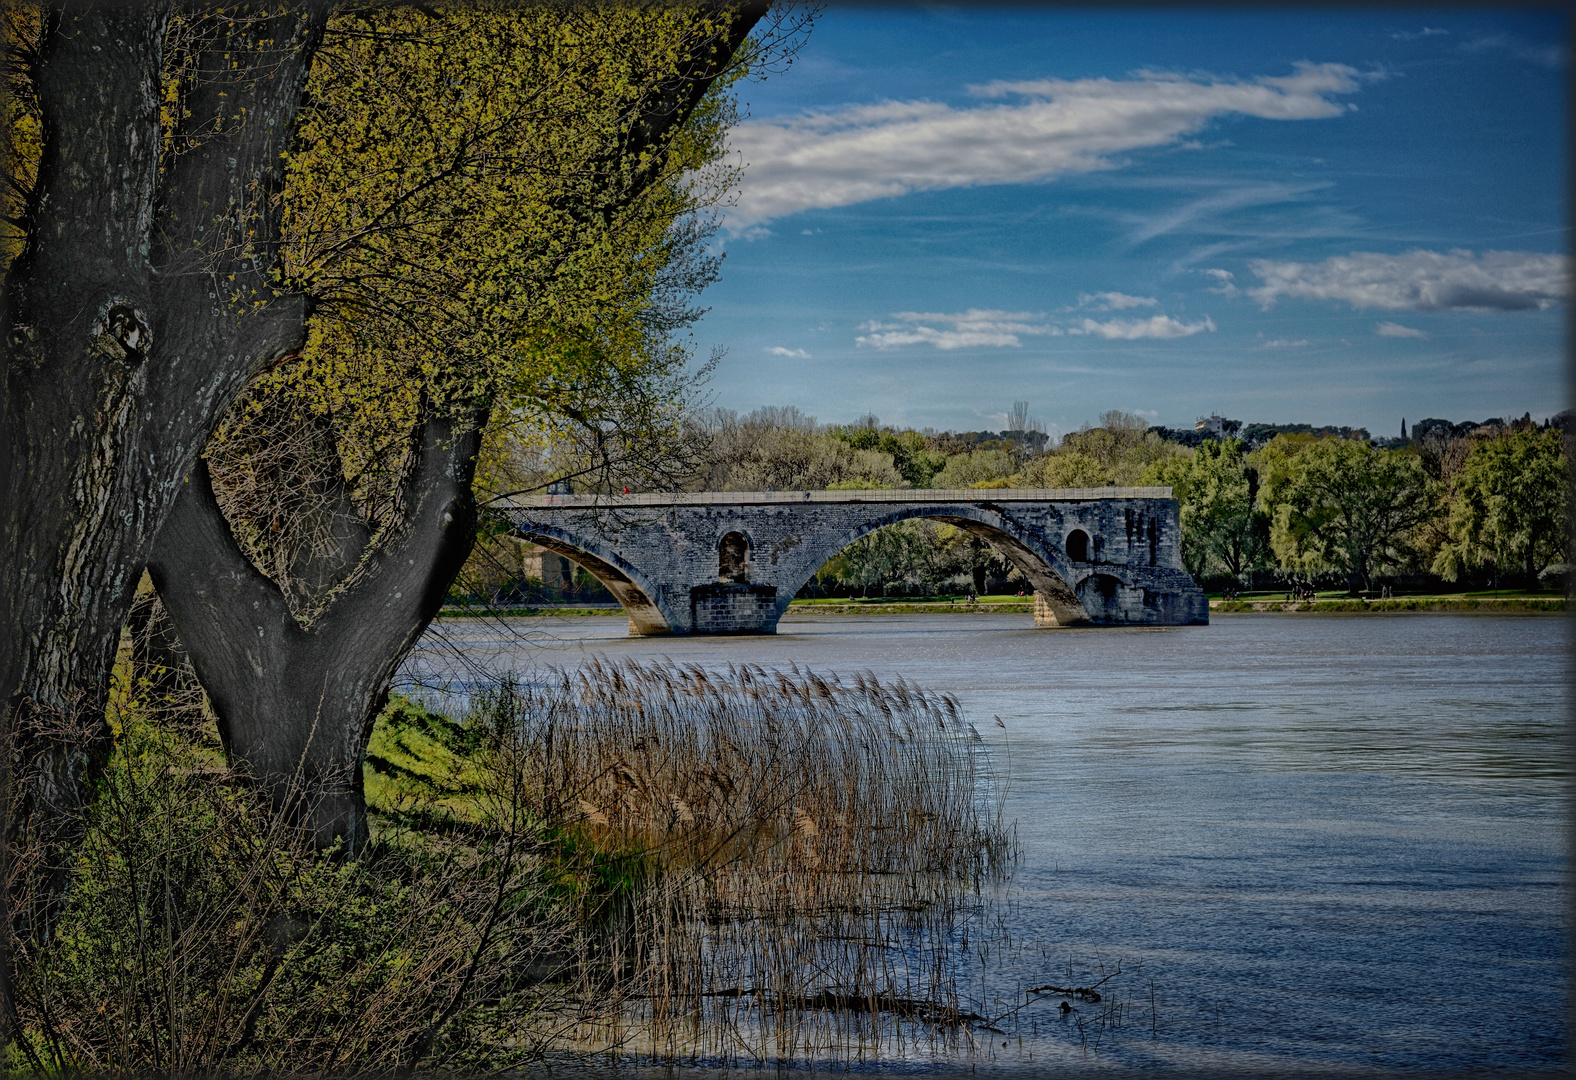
x=730, y=563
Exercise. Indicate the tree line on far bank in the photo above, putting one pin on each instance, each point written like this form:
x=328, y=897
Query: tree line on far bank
x=1472, y=504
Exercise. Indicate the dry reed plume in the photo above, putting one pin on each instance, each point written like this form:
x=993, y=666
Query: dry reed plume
x=809, y=847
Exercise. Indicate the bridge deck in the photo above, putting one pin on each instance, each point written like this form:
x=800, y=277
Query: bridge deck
x=879, y=495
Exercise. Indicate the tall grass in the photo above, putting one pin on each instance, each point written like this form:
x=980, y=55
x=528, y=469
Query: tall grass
x=203, y=934
x=807, y=849
x=648, y=859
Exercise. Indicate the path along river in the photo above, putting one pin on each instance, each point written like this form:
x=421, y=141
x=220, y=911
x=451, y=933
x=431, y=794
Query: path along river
x=1319, y=841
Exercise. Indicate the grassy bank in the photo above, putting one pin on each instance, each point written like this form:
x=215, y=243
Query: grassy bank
x=1333, y=602
x=626, y=858
x=1336, y=602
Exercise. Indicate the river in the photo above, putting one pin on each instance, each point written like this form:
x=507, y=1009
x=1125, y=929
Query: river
x=1307, y=841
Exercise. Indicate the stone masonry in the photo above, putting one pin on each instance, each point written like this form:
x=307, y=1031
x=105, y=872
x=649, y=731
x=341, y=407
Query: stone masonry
x=730, y=562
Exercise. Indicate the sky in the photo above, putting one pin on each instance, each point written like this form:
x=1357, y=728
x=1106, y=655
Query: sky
x=1326, y=217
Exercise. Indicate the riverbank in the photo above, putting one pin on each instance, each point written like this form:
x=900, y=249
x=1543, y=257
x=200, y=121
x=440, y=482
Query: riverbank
x=518, y=611
x=1347, y=605
x=1333, y=604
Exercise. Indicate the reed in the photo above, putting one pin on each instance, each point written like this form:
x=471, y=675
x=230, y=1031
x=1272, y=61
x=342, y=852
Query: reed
x=647, y=860
x=804, y=851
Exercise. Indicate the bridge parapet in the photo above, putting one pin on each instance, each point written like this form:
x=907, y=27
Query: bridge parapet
x=863, y=495
x=731, y=562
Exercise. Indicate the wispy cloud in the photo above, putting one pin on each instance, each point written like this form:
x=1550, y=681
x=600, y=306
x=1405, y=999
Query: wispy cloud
x=1043, y=129
x=1226, y=279
x=1114, y=301
x=1284, y=343
x=797, y=354
x=1551, y=56
x=1413, y=35
x=973, y=328
x=1159, y=326
x=1390, y=329
x=1209, y=208
x=1421, y=280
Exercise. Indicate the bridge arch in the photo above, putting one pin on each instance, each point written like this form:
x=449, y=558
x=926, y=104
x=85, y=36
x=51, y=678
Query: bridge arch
x=1042, y=560
x=642, y=600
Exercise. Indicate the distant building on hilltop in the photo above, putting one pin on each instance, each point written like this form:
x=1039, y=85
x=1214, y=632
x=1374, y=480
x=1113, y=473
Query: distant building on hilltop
x=1215, y=425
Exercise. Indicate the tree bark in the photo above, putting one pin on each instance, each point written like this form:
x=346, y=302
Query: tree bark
x=138, y=309
x=295, y=704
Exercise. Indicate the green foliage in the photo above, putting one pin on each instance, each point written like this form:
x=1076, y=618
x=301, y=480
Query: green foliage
x=910, y=452
x=1341, y=504
x=784, y=450
x=487, y=228
x=1217, y=491
x=21, y=32
x=203, y=934
x=495, y=220
x=1510, y=507
x=1120, y=453
x=422, y=766
x=979, y=466
x=1063, y=469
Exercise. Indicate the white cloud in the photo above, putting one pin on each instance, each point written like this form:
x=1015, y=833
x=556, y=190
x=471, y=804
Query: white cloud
x=1114, y=301
x=1159, y=326
x=798, y=354
x=1284, y=343
x=1390, y=329
x=1226, y=286
x=973, y=328
x=1421, y=280
x=1427, y=31
x=1046, y=128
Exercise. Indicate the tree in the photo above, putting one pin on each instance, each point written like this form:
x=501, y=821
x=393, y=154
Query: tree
x=1063, y=469
x=507, y=248
x=1120, y=451
x=141, y=300
x=782, y=449
x=966, y=470
x=909, y=450
x=1510, y=507
x=1343, y=504
x=1220, y=516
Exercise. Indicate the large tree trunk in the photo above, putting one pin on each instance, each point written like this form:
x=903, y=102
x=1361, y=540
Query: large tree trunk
x=295, y=704
x=138, y=309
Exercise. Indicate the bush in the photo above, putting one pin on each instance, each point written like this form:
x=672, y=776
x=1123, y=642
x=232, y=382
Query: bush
x=203, y=933
x=626, y=856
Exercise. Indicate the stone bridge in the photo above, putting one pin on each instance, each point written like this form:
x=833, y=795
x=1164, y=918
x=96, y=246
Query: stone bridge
x=730, y=562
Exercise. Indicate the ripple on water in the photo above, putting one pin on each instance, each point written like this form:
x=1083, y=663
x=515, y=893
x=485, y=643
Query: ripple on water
x=1327, y=841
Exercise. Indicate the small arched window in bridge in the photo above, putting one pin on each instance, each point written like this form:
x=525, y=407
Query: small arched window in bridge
x=1078, y=546
x=733, y=557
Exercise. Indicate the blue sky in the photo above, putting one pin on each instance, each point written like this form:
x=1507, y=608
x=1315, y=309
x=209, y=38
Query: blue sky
x=1334, y=217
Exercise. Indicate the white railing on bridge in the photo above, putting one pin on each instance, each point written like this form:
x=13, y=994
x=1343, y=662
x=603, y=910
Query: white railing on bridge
x=878, y=495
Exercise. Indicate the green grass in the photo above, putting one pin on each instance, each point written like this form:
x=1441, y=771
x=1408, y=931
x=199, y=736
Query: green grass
x=1342, y=594
x=420, y=765
x=1339, y=602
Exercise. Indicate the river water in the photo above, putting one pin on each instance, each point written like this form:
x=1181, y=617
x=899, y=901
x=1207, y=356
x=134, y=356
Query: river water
x=1307, y=841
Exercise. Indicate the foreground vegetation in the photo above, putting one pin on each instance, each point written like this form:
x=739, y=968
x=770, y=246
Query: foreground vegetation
x=640, y=859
